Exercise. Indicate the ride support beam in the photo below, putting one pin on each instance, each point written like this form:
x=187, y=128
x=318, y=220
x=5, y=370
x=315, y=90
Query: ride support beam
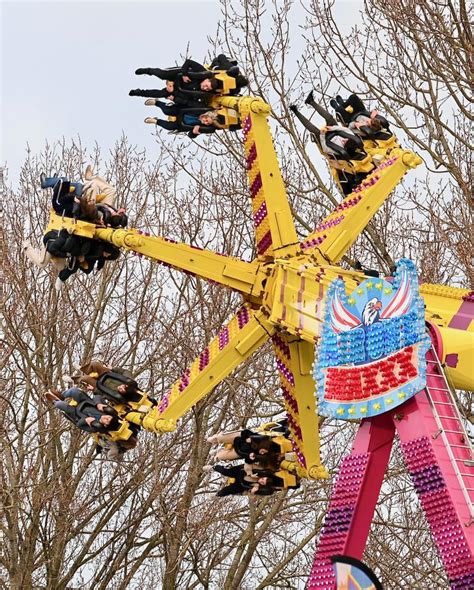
x=333, y=237
x=295, y=359
x=274, y=227
x=233, y=273
x=236, y=341
x=353, y=499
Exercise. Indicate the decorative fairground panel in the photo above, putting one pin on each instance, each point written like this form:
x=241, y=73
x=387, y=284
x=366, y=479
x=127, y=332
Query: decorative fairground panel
x=371, y=356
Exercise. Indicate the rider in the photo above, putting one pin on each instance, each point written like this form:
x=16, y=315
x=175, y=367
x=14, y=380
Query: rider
x=89, y=414
x=338, y=143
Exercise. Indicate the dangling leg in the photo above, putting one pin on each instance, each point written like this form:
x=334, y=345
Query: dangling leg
x=226, y=455
x=330, y=120
x=315, y=131
x=169, y=74
x=152, y=93
x=39, y=257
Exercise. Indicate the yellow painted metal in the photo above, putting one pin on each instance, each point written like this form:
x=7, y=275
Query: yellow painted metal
x=73, y=226
x=151, y=422
x=123, y=433
x=295, y=293
x=230, y=272
x=295, y=359
x=337, y=233
x=244, y=334
x=275, y=232
x=458, y=357
x=443, y=303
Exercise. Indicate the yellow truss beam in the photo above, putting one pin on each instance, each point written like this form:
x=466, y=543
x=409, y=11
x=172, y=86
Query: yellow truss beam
x=295, y=359
x=275, y=231
x=236, y=341
x=230, y=272
x=333, y=237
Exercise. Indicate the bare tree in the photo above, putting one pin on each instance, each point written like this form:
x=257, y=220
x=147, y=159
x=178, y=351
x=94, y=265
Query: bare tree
x=70, y=519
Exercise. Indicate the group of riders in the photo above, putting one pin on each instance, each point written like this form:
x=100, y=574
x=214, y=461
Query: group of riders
x=354, y=140
x=268, y=460
x=189, y=92
x=101, y=400
x=92, y=201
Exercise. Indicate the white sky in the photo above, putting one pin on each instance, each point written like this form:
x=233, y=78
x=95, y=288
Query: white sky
x=67, y=67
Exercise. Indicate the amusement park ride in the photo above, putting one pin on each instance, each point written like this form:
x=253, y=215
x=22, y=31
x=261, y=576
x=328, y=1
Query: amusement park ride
x=375, y=360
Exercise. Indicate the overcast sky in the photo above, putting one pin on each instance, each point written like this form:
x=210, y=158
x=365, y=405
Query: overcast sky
x=67, y=66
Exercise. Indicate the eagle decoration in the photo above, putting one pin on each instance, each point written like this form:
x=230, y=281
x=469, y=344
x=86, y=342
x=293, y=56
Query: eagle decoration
x=371, y=355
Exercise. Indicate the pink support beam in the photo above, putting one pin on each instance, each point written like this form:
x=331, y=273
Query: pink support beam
x=353, y=500
x=438, y=456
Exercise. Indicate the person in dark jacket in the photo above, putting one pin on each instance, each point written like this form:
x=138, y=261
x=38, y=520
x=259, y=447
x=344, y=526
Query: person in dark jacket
x=336, y=143
x=248, y=445
x=192, y=123
x=113, y=382
x=244, y=483
x=89, y=414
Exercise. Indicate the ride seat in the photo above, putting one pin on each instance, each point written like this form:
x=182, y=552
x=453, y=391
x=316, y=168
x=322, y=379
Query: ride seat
x=290, y=480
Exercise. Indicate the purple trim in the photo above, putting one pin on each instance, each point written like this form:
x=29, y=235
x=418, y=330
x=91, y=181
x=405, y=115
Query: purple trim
x=452, y=360
x=265, y=243
x=464, y=315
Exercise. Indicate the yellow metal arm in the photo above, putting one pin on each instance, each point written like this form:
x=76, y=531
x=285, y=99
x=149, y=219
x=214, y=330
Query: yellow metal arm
x=236, y=341
x=295, y=359
x=337, y=233
x=230, y=272
x=275, y=232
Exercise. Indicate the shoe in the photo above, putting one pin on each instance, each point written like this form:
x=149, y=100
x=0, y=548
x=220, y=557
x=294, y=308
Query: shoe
x=151, y=120
x=89, y=173
x=151, y=102
x=64, y=274
x=309, y=98
x=141, y=71
x=52, y=397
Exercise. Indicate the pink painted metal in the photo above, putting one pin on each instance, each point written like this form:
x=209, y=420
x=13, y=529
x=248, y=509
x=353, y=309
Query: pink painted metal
x=438, y=456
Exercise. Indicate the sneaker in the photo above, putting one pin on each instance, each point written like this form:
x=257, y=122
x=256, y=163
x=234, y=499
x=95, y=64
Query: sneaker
x=309, y=98
x=151, y=120
x=151, y=102
x=89, y=173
